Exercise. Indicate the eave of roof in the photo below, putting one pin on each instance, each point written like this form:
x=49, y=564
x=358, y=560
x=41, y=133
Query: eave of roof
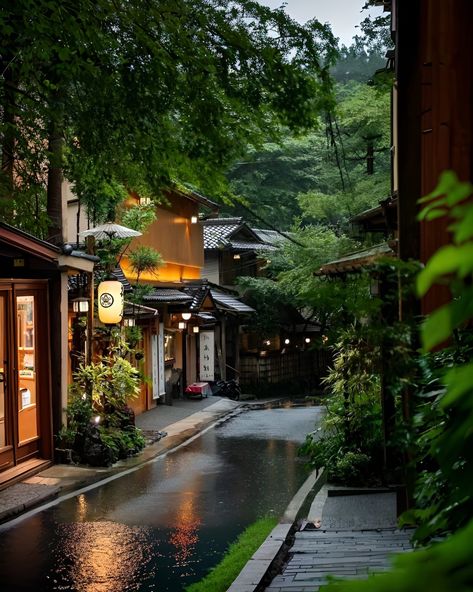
x=139, y=310
x=230, y=303
x=359, y=259
x=27, y=242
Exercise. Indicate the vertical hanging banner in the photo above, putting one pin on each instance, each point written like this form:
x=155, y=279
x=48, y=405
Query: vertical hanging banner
x=207, y=356
x=161, y=385
x=155, y=365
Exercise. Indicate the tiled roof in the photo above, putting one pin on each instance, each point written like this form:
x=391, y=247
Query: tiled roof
x=167, y=295
x=272, y=237
x=197, y=294
x=232, y=233
x=217, y=231
x=250, y=246
x=229, y=302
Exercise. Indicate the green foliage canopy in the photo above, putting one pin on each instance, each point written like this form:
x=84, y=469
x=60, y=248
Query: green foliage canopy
x=144, y=93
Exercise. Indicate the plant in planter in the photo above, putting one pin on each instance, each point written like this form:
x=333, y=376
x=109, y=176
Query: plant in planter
x=98, y=414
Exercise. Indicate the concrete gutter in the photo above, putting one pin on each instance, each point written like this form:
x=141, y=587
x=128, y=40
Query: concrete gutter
x=265, y=562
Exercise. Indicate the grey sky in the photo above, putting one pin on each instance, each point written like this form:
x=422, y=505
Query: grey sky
x=343, y=15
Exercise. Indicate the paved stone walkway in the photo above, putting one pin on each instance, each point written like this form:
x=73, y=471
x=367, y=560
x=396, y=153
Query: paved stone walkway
x=356, y=535
x=341, y=553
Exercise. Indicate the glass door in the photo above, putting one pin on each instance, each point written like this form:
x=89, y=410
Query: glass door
x=6, y=448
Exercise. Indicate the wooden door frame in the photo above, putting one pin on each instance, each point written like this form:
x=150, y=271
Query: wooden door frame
x=42, y=445
x=8, y=456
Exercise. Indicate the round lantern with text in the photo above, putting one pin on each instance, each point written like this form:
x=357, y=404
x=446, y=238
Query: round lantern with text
x=110, y=302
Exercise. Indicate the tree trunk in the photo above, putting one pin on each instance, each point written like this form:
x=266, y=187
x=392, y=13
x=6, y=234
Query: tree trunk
x=9, y=123
x=54, y=190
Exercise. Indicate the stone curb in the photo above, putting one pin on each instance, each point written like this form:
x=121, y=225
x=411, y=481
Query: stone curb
x=257, y=572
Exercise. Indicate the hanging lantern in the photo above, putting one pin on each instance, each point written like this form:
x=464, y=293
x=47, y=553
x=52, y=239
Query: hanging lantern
x=186, y=316
x=110, y=302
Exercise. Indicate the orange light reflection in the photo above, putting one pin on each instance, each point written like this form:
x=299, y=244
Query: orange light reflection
x=185, y=536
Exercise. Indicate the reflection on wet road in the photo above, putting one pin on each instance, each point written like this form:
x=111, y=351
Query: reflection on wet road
x=163, y=526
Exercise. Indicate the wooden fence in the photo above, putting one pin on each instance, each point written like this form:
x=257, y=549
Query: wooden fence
x=304, y=366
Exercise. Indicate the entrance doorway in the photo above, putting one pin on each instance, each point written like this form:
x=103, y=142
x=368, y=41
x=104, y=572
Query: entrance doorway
x=25, y=428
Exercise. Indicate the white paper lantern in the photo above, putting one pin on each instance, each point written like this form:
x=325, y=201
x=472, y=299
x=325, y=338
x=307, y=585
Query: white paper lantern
x=110, y=302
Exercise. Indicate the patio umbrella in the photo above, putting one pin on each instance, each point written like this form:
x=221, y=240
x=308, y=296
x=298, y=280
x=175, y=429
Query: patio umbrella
x=110, y=230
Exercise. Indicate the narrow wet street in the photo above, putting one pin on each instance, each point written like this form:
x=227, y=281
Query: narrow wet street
x=163, y=526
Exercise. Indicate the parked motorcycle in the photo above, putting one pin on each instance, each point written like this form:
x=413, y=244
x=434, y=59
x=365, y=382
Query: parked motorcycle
x=227, y=388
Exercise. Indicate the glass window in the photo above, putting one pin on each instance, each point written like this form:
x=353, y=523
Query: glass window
x=27, y=418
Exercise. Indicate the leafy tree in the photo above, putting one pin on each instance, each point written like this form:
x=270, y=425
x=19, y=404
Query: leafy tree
x=143, y=93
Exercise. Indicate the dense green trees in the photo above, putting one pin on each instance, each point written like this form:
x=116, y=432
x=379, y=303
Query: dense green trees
x=325, y=176
x=140, y=93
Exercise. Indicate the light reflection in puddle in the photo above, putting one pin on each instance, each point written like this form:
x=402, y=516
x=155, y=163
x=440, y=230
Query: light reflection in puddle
x=102, y=557
x=184, y=537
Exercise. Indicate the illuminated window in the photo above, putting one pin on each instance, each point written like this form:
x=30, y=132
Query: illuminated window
x=169, y=346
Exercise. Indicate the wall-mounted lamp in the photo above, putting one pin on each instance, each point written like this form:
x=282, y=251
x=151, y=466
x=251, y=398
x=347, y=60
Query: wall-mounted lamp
x=129, y=322
x=194, y=219
x=195, y=329
x=80, y=305
x=236, y=256
x=182, y=325
x=287, y=341
x=110, y=302
x=307, y=340
x=186, y=316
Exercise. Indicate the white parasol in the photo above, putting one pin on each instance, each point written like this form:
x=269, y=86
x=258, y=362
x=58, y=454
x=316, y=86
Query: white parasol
x=109, y=231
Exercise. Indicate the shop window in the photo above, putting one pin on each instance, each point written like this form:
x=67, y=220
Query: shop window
x=169, y=346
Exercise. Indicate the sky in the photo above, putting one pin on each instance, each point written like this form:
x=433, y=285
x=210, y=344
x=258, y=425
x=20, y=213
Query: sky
x=343, y=15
